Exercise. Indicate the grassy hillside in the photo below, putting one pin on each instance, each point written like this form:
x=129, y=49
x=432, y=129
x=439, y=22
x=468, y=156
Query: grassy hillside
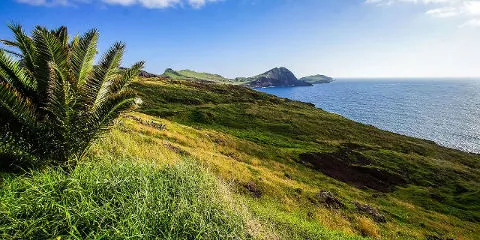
x=282, y=153
x=214, y=161
x=198, y=76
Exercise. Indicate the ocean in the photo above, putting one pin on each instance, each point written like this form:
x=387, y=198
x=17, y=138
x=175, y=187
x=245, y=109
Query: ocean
x=446, y=111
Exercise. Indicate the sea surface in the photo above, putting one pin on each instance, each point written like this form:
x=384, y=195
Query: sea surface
x=446, y=111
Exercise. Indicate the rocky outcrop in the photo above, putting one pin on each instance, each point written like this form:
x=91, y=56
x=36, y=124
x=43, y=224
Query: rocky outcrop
x=369, y=210
x=277, y=77
x=143, y=73
x=146, y=74
x=330, y=200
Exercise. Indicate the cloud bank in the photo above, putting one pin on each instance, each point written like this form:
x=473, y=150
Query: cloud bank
x=143, y=3
x=466, y=10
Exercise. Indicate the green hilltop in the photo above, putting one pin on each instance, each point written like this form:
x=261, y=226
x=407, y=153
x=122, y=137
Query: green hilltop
x=192, y=75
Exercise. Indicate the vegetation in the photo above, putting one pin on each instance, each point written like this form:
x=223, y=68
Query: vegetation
x=53, y=101
x=261, y=143
x=206, y=160
x=316, y=79
x=117, y=200
x=197, y=76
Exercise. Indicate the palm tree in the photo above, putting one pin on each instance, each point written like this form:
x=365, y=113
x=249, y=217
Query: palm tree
x=54, y=102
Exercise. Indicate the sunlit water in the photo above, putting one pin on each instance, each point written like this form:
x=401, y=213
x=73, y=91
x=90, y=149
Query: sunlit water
x=446, y=111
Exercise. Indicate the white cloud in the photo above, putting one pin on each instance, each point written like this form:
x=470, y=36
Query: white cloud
x=466, y=10
x=444, y=12
x=143, y=3
x=472, y=23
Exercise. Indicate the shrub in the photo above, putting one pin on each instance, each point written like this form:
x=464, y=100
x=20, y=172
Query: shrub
x=53, y=101
x=117, y=200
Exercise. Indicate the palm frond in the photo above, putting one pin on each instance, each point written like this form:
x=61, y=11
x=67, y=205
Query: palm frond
x=83, y=50
x=25, y=44
x=8, y=43
x=102, y=117
x=113, y=106
x=97, y=87
x=49, y=49
x=56, y=98
x=126, y=77
x=19, y=107
x=61, y=34
x=16, y=54
x=11, y=72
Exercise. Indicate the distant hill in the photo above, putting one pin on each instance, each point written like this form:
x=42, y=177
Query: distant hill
x=316, y=79
x=276, y=77
x=192, y=75
x=143, y=73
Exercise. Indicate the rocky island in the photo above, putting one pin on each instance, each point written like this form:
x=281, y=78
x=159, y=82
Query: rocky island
x=277, y=77
x=317, y=79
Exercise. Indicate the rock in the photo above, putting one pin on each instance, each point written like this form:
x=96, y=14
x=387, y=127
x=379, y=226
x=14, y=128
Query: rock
x=143, y=73
x=330, y=200
x=365, y=208
x=277, y=77
x=149, y=123
x=146, y=74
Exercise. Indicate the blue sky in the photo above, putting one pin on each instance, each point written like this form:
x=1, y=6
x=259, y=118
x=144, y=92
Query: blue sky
x=341, y=38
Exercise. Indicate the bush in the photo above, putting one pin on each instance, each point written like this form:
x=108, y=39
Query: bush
x=119, y=200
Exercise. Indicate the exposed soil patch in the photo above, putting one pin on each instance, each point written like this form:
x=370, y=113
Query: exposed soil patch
x=232, y=156
x=352, y=167
x=176, y=149
x=253, y=189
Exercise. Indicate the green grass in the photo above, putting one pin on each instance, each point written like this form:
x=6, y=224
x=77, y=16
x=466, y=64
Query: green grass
x=197, y=76
x=256, y=185
x=117, y=200
x=272, y=132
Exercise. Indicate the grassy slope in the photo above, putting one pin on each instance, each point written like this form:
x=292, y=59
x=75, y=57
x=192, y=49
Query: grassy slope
x=117, y=199
x=192, y=75
x=251, y=142
x=251, y=138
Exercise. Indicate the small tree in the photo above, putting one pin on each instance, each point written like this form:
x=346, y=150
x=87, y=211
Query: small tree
x=53, y=100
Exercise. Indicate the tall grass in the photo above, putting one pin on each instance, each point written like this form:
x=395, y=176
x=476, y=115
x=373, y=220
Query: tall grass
x=117, y=200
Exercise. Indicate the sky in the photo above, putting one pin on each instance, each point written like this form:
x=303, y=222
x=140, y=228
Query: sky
x=339, y=38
